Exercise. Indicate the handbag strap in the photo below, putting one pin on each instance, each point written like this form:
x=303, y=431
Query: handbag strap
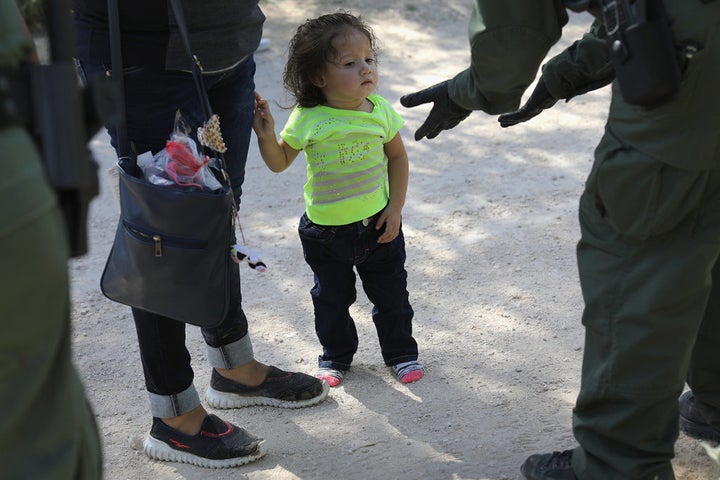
x=195, y=62
x=127, y=158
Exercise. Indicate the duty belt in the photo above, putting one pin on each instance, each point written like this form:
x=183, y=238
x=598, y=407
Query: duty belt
x=14, y=97
x=594, y=6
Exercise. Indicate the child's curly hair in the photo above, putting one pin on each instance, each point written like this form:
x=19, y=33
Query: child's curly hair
x=311, y=47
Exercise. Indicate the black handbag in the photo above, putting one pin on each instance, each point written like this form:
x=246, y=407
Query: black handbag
x=172, y=250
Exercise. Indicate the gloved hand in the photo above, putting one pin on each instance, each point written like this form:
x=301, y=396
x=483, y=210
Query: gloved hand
x=539, y=100
x=444, y=115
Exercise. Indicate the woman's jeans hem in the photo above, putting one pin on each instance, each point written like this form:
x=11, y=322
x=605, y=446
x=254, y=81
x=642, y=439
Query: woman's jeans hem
x=167, y=406
x=231, y=355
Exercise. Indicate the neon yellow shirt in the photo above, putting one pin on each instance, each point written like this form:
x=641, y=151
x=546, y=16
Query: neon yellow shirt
x=346, y=163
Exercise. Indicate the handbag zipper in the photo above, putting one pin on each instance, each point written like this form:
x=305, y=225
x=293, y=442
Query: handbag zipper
x=158, y=245
x=159, y=240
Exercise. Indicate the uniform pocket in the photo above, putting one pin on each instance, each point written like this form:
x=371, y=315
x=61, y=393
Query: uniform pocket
x=639, y=196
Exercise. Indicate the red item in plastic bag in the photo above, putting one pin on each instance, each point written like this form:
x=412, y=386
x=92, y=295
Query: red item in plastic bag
x=183, y=166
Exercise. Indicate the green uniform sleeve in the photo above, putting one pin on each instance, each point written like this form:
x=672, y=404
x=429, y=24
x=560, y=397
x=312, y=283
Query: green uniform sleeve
x=14, y=45
x=582, y=67
x=508, y=41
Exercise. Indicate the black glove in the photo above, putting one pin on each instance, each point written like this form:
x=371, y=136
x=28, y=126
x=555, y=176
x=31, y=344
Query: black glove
x=539, y=100
x=444, y=115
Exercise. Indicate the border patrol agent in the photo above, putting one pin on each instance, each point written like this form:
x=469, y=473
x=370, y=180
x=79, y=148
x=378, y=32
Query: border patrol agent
x=47, y=429
x=649, y=217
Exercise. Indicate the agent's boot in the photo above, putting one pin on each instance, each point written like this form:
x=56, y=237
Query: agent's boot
x=692, y=421
x=549, y=466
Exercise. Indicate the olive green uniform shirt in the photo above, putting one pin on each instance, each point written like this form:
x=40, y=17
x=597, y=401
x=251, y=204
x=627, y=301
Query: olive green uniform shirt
x=509, y=40
x=650, y=229
x=47, y=430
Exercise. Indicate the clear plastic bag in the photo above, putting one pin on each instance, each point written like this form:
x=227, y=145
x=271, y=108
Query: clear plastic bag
x=180, y=163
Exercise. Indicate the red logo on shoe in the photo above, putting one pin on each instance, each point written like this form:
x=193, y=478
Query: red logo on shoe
x=178, y=444
x=218, y=435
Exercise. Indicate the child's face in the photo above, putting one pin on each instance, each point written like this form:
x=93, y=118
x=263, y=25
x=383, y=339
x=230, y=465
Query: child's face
x=352, y=76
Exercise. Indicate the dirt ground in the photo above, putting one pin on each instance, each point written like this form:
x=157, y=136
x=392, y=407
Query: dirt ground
x=490, y=225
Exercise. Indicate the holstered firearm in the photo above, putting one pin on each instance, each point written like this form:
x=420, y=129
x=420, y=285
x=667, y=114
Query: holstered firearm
x=642, y=50
x=63, y=127
x=641, y=47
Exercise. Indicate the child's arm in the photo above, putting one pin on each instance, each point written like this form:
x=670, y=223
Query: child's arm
x=398, y=171
x=276, y=153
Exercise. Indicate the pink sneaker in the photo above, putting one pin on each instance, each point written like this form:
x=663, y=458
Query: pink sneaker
x=330, y=375
x=408, y=372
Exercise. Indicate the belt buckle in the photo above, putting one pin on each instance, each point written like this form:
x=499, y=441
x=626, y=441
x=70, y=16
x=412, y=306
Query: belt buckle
x=365, y=222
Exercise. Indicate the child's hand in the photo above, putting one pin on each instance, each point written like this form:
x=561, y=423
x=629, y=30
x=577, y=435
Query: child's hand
x=263, y=123
x=276, y=154
x=392, y=219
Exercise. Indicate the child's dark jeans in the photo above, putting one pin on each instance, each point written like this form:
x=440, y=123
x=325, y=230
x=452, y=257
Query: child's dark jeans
x=333, y=253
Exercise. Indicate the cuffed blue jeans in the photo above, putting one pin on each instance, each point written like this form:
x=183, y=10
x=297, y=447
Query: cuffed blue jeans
x=333, y=252
x=151, y=101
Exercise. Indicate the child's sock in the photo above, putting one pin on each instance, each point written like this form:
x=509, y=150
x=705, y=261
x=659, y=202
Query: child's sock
x=408, y=372
x=330, y=375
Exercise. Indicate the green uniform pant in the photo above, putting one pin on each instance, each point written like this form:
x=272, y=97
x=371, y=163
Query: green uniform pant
x=648, y=268
x=648, y=262
x=47, y=429
x=650, y=222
